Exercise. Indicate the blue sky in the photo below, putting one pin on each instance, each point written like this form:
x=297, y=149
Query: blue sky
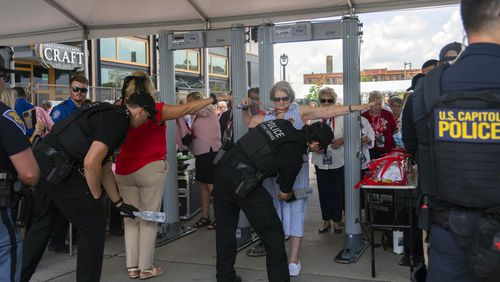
x=389, y=40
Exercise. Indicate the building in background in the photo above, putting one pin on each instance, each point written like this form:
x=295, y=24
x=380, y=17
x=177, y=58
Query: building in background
x=45, y=69
x=367, y=75
x=42, y=65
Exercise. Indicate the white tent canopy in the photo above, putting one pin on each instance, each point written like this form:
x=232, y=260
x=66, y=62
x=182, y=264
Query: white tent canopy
x=24, y=22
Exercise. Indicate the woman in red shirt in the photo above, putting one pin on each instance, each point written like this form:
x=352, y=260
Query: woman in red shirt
x=384, y=125
x=141, y=169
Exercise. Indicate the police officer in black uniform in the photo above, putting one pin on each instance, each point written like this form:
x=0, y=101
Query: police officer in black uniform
x=75, y=159
x=16, y=163
x=452, y=122
x=272, y=148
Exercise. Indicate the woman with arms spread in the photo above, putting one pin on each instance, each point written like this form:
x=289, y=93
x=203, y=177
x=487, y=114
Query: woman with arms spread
x=292, y=214
x=140, y=174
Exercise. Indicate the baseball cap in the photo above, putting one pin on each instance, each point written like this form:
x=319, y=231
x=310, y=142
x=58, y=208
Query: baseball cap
x=145, y=101
x=454, y=46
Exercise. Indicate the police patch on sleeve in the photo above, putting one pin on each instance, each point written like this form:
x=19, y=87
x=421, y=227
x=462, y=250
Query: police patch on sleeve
x=13, y=117
x=467, y=125
x=55, y=114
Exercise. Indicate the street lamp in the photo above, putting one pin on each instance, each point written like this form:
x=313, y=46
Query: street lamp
x=406, y=64
x=283, y=63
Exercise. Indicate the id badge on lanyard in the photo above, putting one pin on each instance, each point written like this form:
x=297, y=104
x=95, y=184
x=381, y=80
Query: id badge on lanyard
x=327, y=159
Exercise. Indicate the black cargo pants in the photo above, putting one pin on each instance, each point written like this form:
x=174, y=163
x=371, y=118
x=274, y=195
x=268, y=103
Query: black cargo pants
x=260, y=212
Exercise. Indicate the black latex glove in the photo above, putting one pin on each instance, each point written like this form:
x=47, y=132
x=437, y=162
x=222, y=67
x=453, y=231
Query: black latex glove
x=127, y=210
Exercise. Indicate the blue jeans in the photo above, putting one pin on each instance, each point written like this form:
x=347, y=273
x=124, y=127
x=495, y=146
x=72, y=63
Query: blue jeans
x=10, y=248
x=447, y=261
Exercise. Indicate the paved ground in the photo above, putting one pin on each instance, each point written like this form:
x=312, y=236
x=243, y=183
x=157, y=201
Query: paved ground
x=192, y=258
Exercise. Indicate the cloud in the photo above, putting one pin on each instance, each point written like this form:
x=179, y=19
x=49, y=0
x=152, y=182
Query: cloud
x=389, y=40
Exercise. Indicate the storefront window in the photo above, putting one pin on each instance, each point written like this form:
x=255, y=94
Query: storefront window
x=113, y=77
x=219, y=87
x=218, y=65
x=62, y=77
x=108, y=48
x=132, y=50
x=41, y=75
x=187, y=60
x=180, y=60
x=194, y=61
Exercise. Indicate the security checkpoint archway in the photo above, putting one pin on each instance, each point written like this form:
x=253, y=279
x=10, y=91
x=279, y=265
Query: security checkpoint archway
x=235, y=38
x=349, y=30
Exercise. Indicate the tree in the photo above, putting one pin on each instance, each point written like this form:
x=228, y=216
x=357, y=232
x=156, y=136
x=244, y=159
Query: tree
x=313, y=91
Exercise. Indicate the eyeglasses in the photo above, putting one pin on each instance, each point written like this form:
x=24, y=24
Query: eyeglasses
x=5, y=77
x=82, y=90
x=281, y=99
x=329, y=101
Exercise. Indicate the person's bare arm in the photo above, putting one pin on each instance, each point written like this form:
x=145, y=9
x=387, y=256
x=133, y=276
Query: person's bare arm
x=93, y=167
x=109, y=183
x=250, y=120
x=26, y=166
x=169, y=112
x=330, y=111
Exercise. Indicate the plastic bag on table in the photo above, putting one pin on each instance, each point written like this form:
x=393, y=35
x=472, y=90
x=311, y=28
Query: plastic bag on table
x=390, y=169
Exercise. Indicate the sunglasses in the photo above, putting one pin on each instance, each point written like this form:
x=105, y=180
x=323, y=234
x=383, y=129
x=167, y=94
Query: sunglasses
x=281, y=99
x=329, y=101
x=82, y=90
x=5, y=77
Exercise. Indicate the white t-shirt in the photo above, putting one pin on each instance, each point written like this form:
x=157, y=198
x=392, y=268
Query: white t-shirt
x=366, y=130
x=337, y=155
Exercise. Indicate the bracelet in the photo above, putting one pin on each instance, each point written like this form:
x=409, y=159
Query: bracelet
x=350, y=109
x=214, y=99
x=118, y=202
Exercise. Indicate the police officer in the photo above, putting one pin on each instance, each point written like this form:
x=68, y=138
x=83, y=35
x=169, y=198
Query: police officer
x=452, y=122
x=75, y=160
x=272, y=148
x=78, y=88
x=16, y=162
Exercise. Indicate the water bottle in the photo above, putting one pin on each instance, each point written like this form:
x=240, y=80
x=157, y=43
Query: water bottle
x=151, y=216
x=398, y=242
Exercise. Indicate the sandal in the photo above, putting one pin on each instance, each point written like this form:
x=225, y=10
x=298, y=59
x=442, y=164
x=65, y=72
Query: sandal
x=212, y=226
x=151, y=272
x=133, y=272
x=204, y=221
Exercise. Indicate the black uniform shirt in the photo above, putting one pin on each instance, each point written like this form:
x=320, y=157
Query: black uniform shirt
x=109, y=127
x=12, y=138
x=478, y=67
x=290, y=160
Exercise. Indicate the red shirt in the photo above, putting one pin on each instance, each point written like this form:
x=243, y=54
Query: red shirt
x=384, y=124
x=143, y=145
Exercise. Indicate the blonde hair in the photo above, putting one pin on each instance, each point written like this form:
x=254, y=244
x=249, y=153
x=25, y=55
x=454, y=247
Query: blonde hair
x=8, y=97
x=376, y=96
x=195, y=96
x=131, y=87
x=328, y=91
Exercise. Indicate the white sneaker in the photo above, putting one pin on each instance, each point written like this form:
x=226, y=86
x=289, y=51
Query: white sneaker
x=294, y=269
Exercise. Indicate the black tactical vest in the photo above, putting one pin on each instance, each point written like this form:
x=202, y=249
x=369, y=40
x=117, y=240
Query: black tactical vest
x=459, y=153
x=260, y=143
x=72, y=134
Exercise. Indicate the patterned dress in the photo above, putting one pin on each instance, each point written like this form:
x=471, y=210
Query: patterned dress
x=292, y=214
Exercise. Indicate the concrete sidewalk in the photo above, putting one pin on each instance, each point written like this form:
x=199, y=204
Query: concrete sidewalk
x=192, y=258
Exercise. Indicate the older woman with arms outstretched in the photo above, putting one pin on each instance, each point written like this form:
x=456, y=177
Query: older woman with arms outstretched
x=292, y=214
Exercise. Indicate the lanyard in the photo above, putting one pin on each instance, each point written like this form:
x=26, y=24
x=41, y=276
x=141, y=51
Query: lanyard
x=376, y=123
x=330, y=122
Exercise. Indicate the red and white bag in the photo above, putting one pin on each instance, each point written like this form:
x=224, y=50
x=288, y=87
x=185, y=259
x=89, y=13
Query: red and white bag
x=390, y=169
